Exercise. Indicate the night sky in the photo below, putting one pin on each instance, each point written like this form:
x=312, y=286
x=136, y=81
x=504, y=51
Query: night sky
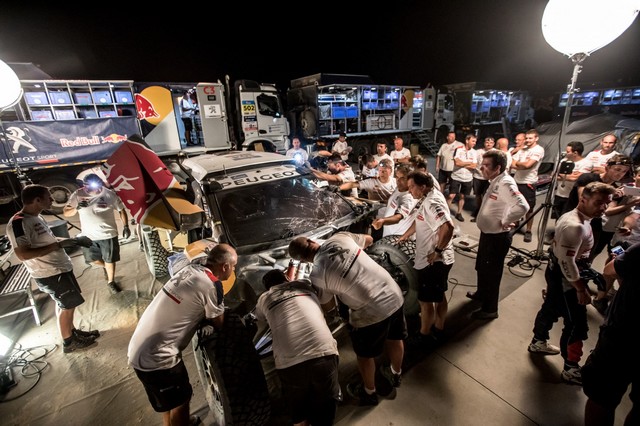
x=407, y=42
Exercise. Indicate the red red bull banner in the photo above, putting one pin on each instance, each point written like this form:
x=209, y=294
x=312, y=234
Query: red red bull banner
x=34, y=145
x=146, y=186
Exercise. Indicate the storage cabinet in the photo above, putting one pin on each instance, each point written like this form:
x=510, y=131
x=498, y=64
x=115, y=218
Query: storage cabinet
x=76, y=99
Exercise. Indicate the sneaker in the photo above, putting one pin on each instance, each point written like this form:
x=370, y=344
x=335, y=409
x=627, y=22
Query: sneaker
x=114, y=288
x=459, y=217
x=77, y=343
x=394, y=379
x=572, y=375
x=601, y=305
x=484, y=315
x=86, y=334
x=527, y=237
x=473, y=295
x=356, y=391
x=473, y=219
x=421, y=341
x=543, y=347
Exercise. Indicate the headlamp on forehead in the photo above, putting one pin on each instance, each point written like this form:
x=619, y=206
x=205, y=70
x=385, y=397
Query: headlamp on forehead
x=93, y=182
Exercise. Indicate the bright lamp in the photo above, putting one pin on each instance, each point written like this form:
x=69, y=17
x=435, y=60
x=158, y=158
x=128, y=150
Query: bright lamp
x=584, y=26
x=10, y=89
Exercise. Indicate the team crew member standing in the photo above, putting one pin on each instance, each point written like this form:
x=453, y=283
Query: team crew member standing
x=342, y=268
x=465, y=160
x=502, y=206
x=567, y=294
x=341, y=147
x=304, y=350
x=600, y=157
x=526, y=164
x=480, y=184
x=297, y=153
x=434, y=256
x=444, y=160
x=400, y=154
x=95, y=206
x=397, y=217
x=48, y=264
x=166, y=327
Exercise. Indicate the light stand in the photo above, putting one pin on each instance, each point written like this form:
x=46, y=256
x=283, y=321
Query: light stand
x=601, y=23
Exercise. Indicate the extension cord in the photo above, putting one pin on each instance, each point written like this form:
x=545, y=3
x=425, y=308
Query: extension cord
x=517, y=259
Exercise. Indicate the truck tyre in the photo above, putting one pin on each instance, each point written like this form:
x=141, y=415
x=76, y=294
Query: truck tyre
x=397, y=259
x=308, y=124
x=60, y=190
x=157, y=256
x=232, y=375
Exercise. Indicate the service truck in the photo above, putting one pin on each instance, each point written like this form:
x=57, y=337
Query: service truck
x=63, y=127
x=321, y=106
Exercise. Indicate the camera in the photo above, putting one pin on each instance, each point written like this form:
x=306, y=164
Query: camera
x=617, y=250
x=566, y=167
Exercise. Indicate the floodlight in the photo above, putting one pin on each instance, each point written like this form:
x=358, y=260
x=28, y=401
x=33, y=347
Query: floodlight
x=584, y=26
x=10, y=88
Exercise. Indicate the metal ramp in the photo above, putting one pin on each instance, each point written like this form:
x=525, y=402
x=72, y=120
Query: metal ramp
x=427, y=141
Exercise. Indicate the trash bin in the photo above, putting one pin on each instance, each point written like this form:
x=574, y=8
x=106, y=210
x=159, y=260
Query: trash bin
x=60, y=228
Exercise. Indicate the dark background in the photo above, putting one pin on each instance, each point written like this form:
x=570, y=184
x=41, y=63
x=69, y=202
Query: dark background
x=405, y=42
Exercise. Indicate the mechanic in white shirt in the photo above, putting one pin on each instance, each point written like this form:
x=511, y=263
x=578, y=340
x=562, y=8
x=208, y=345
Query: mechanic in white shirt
x=399, y=213
x=340, y=172
x=599, y=157
x=565, y=182
x=341, y=147
x=381, y=153
x=297, y=153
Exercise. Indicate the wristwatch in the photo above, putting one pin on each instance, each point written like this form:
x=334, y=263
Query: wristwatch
x=437, y=250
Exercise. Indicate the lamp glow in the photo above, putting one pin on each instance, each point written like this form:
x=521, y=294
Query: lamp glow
x=10, y=88
x=584, y=26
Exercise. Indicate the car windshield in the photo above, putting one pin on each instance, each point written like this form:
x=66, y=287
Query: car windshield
x=277, y=210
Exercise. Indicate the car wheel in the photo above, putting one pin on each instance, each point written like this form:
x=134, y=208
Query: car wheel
x=397, y=259
x=232, y=375
x=60, y=190
x=154, y=252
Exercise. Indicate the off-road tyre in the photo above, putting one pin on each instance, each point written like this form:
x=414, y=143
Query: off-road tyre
x=308, y=124
x=232, y=375
x=397, y=259
x=60, y=190
x=155, y=253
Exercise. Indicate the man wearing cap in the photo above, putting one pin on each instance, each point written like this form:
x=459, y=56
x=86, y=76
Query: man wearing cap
x=95, y=206
x=340, y=146
x=340, y=172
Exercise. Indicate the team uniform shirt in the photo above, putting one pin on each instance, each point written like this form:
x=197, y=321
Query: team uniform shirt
x=340, y=147
x=462, y=174
x=598, y=159
x=529, y=176
x=432, y=213
x=377, y=190
x=502, y=204
x=299, y=154
x=398, y=155
x=446, y=155
x=477, y=174
x=347, y=175
x=509, y=159
x=297, y=323
x=399, y=202
x=572, y=242
x=32, y=231
x=564, y=187
x=97, y=219
x=171, y=319
x=342, y=267
x=367, y=172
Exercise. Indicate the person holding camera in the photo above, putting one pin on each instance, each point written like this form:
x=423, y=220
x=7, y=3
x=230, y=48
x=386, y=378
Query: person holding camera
x=570, y=169
x=48, y=264
x=95, y=206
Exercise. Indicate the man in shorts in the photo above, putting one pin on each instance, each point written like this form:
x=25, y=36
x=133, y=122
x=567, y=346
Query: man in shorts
x=342, y=268
x=433, y=259
x=444, y=160
x=465, y=161
x=304, y=350
x=95, y=206
x=48, y=264
x=192, y=297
